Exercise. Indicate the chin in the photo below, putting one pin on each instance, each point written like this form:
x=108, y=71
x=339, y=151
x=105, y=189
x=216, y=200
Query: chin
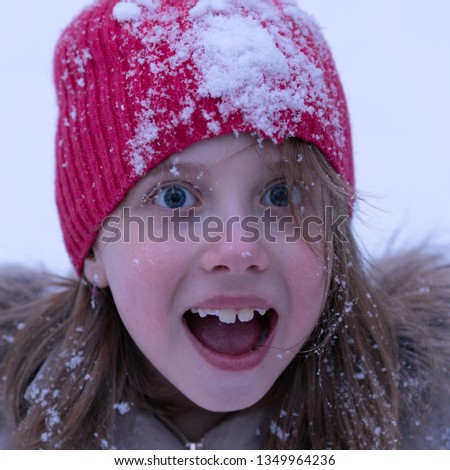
x=229, y=399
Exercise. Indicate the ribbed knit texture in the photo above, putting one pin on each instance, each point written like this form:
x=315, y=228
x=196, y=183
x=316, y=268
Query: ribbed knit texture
x=130, y=94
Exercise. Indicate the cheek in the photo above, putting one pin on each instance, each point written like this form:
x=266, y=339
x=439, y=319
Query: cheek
x=150, y=264
x=308, y=284
x=144, y=278
x=307, y=265
x=140, y=291
x=313, y=278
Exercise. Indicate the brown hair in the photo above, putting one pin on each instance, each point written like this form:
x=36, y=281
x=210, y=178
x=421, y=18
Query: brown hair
x=340, y=391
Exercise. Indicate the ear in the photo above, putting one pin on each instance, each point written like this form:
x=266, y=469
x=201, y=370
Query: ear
x=94, y=271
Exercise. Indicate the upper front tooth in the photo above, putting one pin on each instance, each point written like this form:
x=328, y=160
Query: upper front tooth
x=246, y=314
x=227, y=315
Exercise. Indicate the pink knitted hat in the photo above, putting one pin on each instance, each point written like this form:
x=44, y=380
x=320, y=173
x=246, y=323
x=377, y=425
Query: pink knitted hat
x=140, y=80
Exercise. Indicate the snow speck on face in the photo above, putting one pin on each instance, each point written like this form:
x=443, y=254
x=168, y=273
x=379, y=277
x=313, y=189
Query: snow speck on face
x=174, y=170
x=124, y=11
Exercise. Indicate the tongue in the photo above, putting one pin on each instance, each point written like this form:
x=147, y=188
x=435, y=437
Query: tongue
x=226, y=338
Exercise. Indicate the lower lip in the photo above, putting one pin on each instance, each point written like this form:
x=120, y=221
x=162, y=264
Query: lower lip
x=232, y=362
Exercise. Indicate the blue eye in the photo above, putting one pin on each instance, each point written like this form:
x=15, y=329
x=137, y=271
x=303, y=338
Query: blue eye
x=174, y=197
x=278, y=195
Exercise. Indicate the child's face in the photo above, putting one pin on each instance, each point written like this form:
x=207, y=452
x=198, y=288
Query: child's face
x=220, y=366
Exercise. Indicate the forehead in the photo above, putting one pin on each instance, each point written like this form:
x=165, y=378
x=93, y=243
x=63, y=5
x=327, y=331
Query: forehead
x=221, y=149
x=212, y=154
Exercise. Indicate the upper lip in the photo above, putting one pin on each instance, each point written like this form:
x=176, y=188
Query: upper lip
x=235, y=302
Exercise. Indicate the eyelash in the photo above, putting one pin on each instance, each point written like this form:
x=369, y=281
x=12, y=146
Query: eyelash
x=153, y=195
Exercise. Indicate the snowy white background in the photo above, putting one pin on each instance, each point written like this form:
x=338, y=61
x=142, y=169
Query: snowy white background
x=394, y=60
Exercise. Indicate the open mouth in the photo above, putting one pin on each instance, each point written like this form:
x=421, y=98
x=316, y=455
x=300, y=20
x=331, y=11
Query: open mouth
x=229, y=331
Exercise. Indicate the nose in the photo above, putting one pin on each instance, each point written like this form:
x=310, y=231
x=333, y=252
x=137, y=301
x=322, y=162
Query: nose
x=235, y=250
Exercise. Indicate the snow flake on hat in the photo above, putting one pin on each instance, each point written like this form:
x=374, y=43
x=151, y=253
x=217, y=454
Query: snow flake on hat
x=130, y=11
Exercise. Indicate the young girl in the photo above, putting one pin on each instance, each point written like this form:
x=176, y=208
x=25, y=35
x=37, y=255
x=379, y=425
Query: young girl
x=204, y=182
